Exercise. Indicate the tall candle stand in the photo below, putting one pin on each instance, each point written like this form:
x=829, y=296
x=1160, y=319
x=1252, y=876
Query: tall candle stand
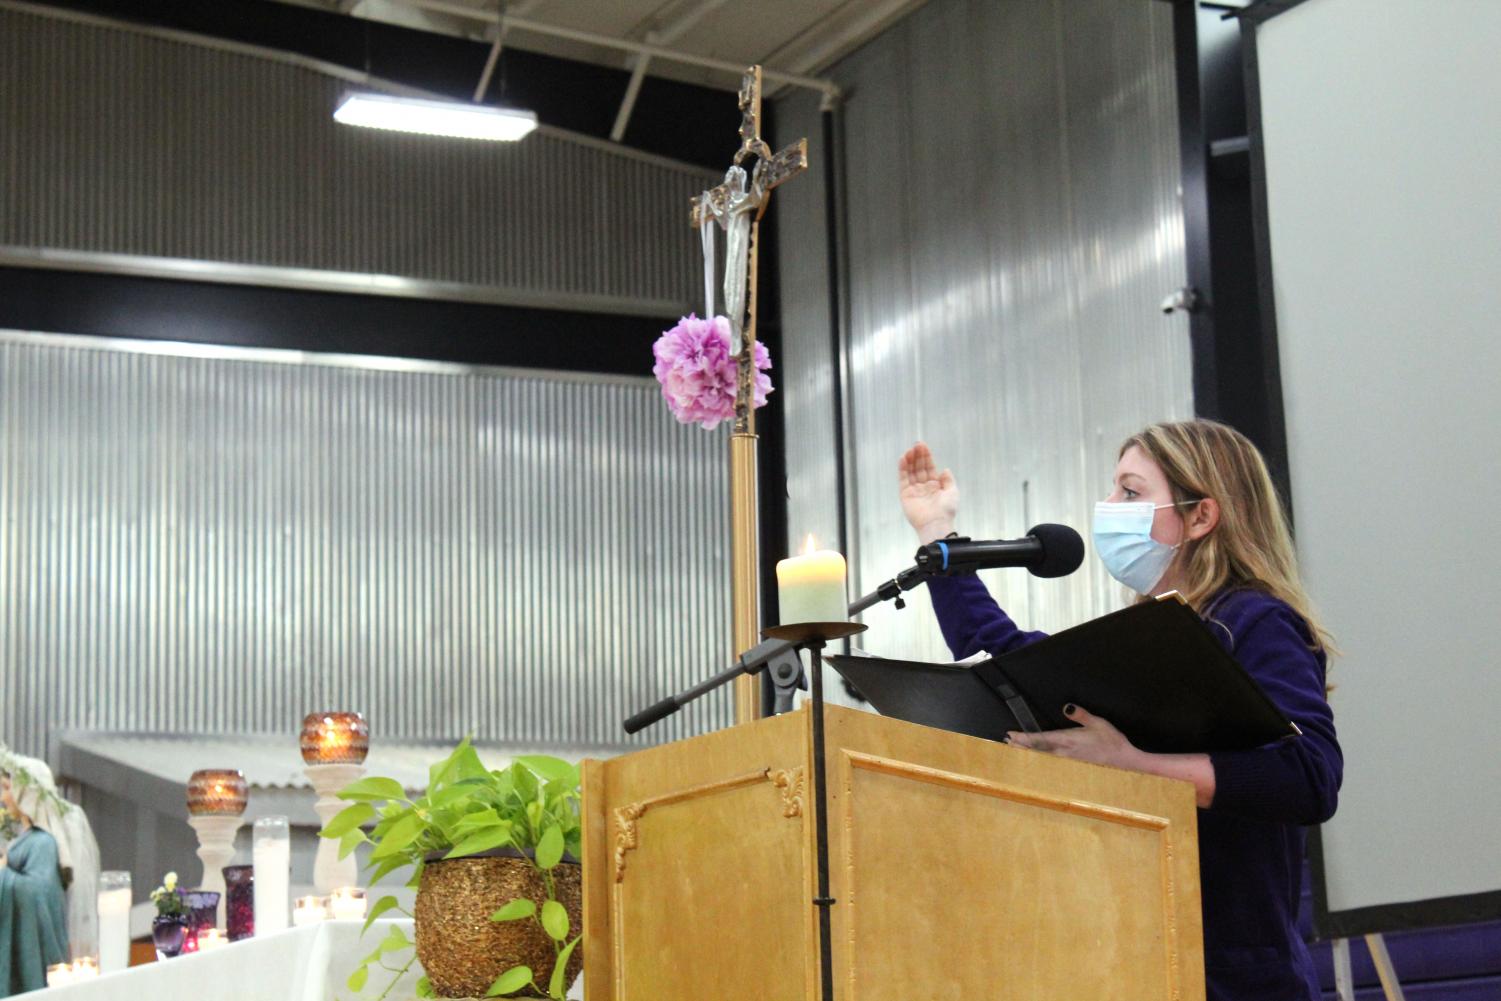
x=334, y=745
x=216, y=846
x=329, y=871
x=216, y=800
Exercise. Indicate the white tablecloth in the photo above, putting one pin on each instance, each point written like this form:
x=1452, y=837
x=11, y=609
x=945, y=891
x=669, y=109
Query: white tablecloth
x=310, y=963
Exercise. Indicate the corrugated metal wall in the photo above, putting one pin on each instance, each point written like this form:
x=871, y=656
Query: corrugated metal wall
x=117, y=142
x=208, y=545
x=1012, y=176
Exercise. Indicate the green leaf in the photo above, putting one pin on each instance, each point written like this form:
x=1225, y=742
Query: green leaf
x=504, y=784
x=515, y=911
x=395, y=940
x=350, y=841
x=481, y=841
x=373, y=787
x=467, y=765
x=357, y=979
x=449, y=795
x=424, y=988
x=559, y=985
x=471, y=822
x=555, y=920
x=526, y=782
x=550, y=848
x=552, y=769
x=348, y=819
x=381, y=868
x=401, y=834
x=442, y=770
x=382, y=905
x=510, y=981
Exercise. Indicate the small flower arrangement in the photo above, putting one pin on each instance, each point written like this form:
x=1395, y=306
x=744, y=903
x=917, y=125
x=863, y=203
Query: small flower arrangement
x=168, y=898
x=697, y=371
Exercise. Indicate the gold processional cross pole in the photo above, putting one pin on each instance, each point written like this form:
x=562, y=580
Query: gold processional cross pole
x=724, y=204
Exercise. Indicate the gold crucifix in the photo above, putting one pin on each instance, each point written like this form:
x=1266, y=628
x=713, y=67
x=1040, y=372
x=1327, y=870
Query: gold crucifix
x=736, y=201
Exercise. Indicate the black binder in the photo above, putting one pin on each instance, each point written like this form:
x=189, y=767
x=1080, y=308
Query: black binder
x=1154, y=670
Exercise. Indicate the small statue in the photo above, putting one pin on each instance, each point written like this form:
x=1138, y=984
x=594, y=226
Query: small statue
x=52, y=847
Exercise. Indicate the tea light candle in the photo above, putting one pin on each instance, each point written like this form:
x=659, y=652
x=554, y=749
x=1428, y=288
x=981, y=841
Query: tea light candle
x=347, y=904
x=330, y=738
x=308, y=911
x=810, y=587
x=85, y=968
x=211, y=938
x=59, y=974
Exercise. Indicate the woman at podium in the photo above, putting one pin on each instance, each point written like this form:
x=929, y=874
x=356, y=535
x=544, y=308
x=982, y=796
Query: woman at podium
x=1193, y=509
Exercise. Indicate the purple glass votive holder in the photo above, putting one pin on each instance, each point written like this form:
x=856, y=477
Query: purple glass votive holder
x=203, y=914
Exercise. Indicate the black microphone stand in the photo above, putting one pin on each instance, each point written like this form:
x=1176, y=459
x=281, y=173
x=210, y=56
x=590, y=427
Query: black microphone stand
x=778, y=653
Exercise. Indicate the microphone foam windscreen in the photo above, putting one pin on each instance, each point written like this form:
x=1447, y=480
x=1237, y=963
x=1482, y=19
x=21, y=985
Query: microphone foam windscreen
x=1062, y=550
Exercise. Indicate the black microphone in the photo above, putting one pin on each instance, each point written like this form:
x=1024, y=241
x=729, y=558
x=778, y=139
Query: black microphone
x=1046, y=551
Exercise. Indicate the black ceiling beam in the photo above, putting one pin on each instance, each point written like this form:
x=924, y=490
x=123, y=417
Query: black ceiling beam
x=678, y=120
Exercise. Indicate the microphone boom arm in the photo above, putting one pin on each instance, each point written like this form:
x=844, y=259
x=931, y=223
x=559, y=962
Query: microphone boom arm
x=780, y=656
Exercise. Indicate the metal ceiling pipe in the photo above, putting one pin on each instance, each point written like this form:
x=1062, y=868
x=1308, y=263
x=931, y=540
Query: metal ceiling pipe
x=663, y=34
x=512, y=23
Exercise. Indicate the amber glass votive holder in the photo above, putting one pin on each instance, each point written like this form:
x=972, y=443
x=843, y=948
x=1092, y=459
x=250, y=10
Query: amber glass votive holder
x=330, y=738
x=217, y=792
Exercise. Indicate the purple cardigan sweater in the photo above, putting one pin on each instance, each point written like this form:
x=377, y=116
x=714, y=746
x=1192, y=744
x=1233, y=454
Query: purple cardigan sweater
x=1251, y=837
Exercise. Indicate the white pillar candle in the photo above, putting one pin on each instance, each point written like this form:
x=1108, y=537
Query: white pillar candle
x=114, y=921
x=272, y=857
x=347, y=904
x=810, y=588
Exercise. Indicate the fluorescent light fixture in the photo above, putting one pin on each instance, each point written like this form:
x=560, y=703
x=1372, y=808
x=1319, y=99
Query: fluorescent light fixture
x=435, y=118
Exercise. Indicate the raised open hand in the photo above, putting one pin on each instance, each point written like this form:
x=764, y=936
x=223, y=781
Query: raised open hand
x=930, y=498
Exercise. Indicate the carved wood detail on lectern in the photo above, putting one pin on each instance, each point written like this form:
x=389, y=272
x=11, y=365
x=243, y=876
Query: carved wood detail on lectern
x=625, y=834
x=628, y=834
x=790, y=781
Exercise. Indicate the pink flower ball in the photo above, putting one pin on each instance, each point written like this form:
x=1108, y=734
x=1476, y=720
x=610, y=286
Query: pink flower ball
x=697, y=371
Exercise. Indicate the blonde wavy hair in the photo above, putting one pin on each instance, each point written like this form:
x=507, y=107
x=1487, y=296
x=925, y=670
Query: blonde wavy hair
x=1252, y=546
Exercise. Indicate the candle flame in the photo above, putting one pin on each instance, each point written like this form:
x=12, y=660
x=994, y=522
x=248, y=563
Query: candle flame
x=809, y=548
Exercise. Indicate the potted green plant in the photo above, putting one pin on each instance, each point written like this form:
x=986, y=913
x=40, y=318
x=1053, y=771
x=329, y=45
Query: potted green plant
x=494, y=857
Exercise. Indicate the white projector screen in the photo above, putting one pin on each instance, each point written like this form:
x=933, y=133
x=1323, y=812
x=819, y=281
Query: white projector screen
x=1380, y=140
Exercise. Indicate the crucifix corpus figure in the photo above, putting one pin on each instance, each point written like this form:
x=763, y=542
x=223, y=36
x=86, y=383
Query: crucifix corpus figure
x=736, y=206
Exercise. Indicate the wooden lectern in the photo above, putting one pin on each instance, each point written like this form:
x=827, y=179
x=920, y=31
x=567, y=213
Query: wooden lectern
x=960, y=868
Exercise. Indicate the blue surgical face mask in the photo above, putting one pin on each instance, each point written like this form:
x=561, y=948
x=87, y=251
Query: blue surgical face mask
x=1123, y=538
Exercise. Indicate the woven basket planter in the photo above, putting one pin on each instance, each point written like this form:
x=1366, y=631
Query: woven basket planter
x=462, y=950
